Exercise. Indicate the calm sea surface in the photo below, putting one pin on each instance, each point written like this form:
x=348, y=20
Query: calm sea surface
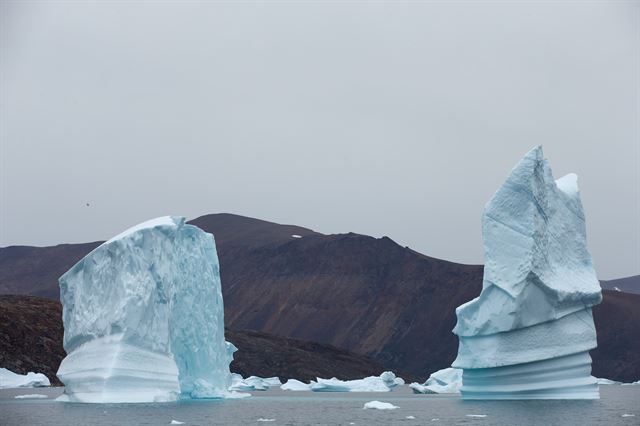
x=619, y=405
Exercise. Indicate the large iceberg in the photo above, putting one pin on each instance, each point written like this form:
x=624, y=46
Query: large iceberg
x=9, y=379
x=528, y=334
x=143, y=318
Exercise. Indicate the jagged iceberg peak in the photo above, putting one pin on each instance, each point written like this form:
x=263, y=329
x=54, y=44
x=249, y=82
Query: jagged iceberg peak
x=143, y=317
x=537, y=265
x=528, y=334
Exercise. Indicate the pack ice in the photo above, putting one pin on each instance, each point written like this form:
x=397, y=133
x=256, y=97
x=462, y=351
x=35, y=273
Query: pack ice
x=528, y=334
x=143, y=318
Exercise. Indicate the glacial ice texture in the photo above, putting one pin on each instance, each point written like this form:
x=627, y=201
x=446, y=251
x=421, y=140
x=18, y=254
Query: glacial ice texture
x=447, y=380
x=385, y=382
x=9, y=379
x=143, y=318
x=528, y=334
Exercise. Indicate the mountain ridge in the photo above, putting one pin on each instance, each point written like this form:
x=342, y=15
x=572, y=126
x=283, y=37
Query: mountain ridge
x=364, y=294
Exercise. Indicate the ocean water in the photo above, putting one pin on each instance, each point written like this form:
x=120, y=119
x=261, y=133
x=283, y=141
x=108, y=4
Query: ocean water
x=619, y=405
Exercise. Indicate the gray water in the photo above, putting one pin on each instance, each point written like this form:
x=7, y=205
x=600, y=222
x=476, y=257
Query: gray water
x=307, y=408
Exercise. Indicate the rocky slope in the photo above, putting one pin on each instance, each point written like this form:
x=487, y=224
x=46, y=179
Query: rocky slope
x=366, y=295
x=31, y=335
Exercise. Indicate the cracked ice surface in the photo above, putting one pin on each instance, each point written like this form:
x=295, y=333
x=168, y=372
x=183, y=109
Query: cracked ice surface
x=143, y=318
x=529, y=332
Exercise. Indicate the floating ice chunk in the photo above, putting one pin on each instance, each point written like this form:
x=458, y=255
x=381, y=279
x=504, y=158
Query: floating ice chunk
x=265, y=420
x=252, y=383
x=448, y=380
x=31, y=396
x=383, y=383
x=410, y=417
x=528, y=334
x=176, y=422
x=378, y=405
x=296, y=236
x=617, y=289
x=143, y=318
x=479, y=416
x=628, y=415
x=9, y=379
x=296, y=385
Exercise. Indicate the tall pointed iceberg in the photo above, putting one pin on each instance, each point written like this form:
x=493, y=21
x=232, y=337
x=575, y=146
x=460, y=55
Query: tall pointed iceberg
x=143, y=318
x=528, y=334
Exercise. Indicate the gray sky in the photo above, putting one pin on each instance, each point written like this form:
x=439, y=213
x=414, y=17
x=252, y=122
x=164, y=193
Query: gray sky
x=396, y=119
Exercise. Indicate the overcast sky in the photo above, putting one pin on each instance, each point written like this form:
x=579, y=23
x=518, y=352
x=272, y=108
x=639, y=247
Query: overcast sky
x=397, y=119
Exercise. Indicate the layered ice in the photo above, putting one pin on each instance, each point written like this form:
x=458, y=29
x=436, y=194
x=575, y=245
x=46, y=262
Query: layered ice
x=9, y=379
x=143, y=318
x=528, y=334
x=448, y=380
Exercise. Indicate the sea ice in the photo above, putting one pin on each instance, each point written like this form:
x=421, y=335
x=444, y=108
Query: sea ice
x=9, y=379
x=143, y=318
x=31, y=396
x=448, y=380
x=528, y=334
x=378, y=405
x=176, y=422
x=252, y=383
x=295, y=385
x=383, y=383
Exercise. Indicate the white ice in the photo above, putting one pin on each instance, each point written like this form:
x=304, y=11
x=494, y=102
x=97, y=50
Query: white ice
x=143, y=318
x=533, y=315
x=31, y=396
x=447, y=380
x=252, y=383
x=9, y=379
x=295, y=385
x=378, y=405
x=383, y=383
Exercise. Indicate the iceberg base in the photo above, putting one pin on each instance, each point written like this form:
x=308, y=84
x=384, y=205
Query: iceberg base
x=567, y=377
x=109, y=370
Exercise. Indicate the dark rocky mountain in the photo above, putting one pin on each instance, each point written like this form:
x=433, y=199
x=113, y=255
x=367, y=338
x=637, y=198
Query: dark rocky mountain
x=625, y=285
x=31, y=335
x=367, y=295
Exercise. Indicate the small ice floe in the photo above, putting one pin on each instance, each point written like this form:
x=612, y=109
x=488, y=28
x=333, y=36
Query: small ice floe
x=265, y=420
x=31, y=396
x=252, y=383
x=296, y=236
x=448, y=380
x=628, y=415
x=378, y=405
x=477, y=416
x=295, y=385
x=9, y=379
x=176, y=422
x=434, y=420
x=409, y=417
x=617, y=289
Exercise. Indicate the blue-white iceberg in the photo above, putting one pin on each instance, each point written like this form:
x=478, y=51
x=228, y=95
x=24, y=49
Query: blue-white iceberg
x=143, y=318
x=528, y=334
